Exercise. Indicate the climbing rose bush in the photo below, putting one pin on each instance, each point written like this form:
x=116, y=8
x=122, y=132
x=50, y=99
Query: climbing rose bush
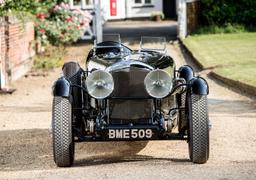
x=61, y=25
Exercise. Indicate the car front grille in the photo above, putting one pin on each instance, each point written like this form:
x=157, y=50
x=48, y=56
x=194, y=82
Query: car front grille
x=129, y=102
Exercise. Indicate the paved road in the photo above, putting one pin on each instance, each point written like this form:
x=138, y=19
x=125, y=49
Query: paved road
x=133, y=30
x=26, y=152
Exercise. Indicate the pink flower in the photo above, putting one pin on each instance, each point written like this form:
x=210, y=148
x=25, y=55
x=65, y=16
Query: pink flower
x=57, y=8
x=40, y=16
x=42, y=31
x=64, y=6
x=81, y=22
x=86, y=24
x=69, y=19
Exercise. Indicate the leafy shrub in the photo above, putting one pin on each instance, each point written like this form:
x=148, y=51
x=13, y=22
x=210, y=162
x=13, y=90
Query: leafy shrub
x=50, y=59
x=220, y=12
x=61, y=26
x=55, y=22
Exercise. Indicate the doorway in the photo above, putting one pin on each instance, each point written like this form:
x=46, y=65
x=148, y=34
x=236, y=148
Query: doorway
x=169, y=9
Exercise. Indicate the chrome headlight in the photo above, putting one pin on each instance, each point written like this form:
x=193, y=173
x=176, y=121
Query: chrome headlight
x=158, y=83
x=100, y=84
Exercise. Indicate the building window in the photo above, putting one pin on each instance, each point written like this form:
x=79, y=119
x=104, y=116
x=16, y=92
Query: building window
x=89, y=2
x=142, y=2
x=138, y=1
x=84, y=4
x=147, y=1
x=77, y=2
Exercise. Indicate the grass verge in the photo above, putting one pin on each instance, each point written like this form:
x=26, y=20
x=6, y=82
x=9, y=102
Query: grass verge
x=231, y=55
x=226, y=28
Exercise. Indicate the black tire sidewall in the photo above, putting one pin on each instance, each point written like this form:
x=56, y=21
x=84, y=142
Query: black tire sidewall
x=69, y=130
x=191, y=131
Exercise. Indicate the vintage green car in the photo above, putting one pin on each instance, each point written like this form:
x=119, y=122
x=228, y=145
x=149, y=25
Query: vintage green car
x=129, y=95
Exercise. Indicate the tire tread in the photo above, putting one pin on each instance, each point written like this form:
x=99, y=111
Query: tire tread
x=62, y=132
x=199, y=129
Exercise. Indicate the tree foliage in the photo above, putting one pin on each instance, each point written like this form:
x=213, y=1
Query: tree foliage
x=29, y=6
x=219, y=12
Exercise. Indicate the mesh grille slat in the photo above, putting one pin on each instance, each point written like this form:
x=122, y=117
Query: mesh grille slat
x=129, y=82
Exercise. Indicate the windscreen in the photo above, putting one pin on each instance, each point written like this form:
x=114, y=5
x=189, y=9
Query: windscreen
x=112, y=37
x=153, y=43
x=111, y=47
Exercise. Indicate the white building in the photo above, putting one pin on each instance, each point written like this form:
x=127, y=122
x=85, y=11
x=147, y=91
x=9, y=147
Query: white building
x=123, y=9
x=129, y=9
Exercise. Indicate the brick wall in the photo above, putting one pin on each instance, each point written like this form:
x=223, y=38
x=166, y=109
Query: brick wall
x=2, y=52
x=193, y=15
x=16, y=49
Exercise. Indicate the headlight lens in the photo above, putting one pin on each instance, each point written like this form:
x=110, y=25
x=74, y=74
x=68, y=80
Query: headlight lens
x=100, y=84
x=158, y=83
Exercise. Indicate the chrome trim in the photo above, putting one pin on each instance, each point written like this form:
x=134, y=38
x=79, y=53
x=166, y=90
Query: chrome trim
x=126, y=64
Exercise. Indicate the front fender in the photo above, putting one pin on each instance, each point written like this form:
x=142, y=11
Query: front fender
x=61, y=87
x=199, y=86
x=186, y=72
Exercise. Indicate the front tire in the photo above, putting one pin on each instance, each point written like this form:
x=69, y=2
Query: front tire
x=63, y=143
x=198, y=135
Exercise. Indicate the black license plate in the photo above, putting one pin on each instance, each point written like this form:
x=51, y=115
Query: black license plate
x=130, y=133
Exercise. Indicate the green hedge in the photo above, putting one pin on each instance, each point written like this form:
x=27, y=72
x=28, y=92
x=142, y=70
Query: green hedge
x=219, y=12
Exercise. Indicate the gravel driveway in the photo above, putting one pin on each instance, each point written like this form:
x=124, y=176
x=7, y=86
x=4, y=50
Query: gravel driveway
x=26, y=149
